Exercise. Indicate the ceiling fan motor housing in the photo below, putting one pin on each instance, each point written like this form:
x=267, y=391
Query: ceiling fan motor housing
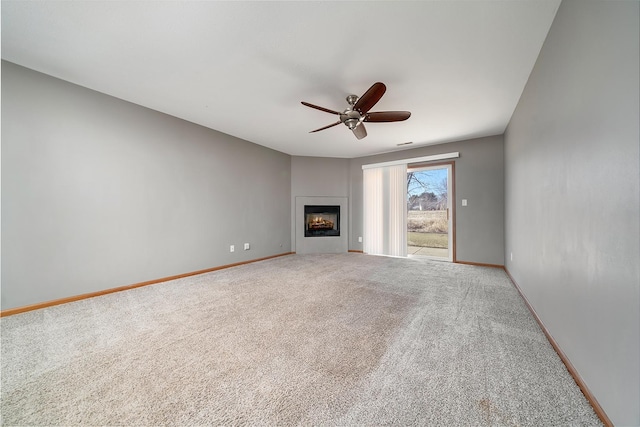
x=351, y=118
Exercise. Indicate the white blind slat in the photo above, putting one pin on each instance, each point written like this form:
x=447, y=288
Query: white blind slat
x=385, y=210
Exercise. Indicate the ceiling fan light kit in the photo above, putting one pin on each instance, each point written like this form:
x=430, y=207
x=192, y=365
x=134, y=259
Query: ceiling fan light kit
x=358, y=111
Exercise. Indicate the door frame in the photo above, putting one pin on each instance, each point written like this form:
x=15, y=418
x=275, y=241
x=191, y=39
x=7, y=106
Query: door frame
x=451, y=205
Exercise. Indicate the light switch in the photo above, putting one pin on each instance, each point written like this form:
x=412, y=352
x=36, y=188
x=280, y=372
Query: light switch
x=464, y=202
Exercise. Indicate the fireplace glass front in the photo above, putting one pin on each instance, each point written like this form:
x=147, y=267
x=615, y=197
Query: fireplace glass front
x=321, y=221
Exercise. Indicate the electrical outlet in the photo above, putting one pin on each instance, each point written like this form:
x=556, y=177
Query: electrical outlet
x=464, y=202
x=246, y=247
x=360, y=239
x=232, y=248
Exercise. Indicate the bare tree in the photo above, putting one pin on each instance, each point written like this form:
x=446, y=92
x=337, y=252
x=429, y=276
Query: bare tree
x=418, y=182
x=442, y=192
x=423, y=193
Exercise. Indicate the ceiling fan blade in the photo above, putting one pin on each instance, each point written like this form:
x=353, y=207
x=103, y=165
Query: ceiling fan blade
x=327, y=127
x=387, y=116
x=359, y=131
x=326, y=110
x=370, y=97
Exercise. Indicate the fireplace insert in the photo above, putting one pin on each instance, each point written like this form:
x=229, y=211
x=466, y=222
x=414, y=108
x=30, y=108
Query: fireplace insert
x=321, y=221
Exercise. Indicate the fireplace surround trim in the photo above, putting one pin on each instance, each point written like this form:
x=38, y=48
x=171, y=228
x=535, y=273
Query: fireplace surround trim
x=326, y=244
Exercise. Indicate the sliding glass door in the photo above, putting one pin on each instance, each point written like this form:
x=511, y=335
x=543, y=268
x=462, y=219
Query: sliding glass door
x=429, y=211
x=408, y=207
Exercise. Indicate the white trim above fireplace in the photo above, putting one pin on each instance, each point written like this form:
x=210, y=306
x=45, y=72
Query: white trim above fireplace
x=324, y=244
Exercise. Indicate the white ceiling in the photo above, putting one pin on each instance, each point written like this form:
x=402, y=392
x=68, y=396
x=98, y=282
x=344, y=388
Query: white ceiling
x=243, y=67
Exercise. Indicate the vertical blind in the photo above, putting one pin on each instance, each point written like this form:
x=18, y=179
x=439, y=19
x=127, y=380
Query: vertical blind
x=385, y=210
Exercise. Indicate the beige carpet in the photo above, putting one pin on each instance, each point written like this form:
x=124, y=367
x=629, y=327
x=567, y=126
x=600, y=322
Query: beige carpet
x=340, y=339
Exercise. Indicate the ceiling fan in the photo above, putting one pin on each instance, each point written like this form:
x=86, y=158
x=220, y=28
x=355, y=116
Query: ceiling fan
x=358, y=111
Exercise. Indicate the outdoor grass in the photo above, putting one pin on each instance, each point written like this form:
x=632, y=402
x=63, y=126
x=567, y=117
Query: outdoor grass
x=427, y=229
x=427, y=221
x=427, y=240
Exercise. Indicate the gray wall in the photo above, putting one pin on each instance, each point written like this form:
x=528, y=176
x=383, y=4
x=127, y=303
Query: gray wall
x=99, y=193
x=478, y=178
x=572, y=189
x=317, y=176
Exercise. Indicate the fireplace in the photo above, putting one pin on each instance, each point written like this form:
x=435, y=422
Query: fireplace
x=321, y=240
x=320, y=221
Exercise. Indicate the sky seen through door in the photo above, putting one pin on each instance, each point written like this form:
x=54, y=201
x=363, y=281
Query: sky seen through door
x=428, y=178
